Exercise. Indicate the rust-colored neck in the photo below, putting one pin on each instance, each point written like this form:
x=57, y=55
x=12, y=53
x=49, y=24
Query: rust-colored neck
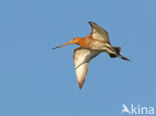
x=84, y=42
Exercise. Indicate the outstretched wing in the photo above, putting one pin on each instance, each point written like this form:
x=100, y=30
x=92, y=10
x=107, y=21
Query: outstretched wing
x=99, y=33
x=82, y=57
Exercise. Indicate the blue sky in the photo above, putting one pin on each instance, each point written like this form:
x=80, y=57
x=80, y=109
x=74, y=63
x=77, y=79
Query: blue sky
x=37, y=81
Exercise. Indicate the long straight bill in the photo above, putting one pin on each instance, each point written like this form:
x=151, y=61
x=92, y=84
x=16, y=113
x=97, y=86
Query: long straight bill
x=63, y=45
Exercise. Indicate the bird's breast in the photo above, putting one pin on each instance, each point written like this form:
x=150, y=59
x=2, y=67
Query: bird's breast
x=93, y=44
x=85, y=43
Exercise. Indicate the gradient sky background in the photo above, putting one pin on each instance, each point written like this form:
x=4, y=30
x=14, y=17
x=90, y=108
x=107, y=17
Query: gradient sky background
x=37, y=81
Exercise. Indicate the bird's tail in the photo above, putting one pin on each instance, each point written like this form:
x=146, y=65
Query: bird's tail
x=124, y=58
x=118, y=49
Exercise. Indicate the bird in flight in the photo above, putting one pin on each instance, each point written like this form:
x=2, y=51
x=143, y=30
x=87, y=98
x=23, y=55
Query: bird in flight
x=91, y=46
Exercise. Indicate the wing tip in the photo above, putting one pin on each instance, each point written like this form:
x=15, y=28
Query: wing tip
x=80, y=86
x=91, y=22
x=80, y=83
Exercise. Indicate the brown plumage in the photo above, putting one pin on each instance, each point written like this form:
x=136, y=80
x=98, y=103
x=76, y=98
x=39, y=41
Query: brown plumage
x=90, y=46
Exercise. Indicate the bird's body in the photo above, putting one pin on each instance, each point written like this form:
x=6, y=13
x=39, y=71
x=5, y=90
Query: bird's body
x=90, y=46
x=90, y=43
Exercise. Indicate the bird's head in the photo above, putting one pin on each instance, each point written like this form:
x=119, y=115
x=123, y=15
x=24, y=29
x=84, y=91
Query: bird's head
x=75, y=40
